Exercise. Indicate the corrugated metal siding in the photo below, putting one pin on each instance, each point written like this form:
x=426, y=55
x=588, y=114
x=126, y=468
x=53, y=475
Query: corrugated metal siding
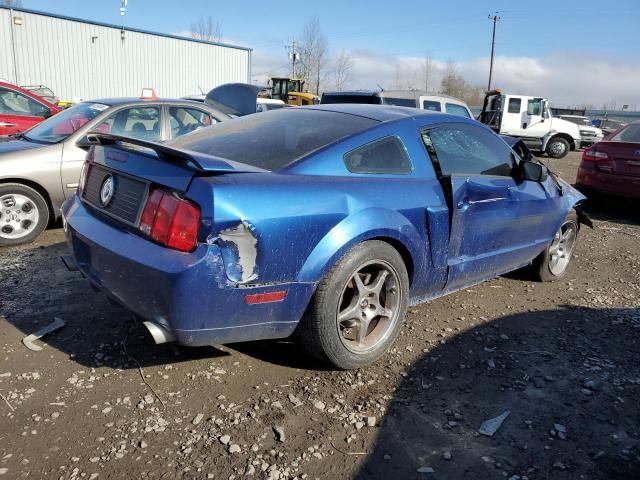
x=64, y=55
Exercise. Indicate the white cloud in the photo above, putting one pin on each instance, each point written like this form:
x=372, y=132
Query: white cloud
x=566, y=79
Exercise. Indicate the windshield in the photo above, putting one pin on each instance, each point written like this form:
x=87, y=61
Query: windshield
x=275, y=138
x=60, y=126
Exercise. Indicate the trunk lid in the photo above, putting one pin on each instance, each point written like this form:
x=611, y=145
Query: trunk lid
x=624, y=157
x=122, y=171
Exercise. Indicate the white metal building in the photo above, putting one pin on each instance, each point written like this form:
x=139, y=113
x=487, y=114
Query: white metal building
x=83, y=59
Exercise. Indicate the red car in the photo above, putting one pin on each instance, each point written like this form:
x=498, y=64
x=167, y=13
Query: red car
x=20, y=109
x=613, y=165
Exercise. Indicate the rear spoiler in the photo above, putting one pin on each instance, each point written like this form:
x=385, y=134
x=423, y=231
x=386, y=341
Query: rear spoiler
x=197, y=161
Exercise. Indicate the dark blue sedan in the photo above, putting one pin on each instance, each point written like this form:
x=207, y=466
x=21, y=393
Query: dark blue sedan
x=322, y=221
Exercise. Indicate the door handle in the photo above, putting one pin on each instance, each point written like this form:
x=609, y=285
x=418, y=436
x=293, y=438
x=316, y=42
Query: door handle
x=7, y=124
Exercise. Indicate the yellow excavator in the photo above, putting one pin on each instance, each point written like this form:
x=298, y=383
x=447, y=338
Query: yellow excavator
x=290, y=91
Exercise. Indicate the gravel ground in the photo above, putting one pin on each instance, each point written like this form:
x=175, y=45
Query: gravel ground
x=101, y=401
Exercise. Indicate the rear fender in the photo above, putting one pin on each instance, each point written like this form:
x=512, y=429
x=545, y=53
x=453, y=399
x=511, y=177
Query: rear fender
x=364, y=225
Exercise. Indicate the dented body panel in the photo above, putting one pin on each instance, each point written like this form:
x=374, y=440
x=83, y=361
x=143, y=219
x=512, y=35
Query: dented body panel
x=281, y=231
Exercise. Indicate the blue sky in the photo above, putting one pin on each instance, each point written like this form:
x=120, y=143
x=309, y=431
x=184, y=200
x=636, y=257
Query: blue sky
x=548, y=33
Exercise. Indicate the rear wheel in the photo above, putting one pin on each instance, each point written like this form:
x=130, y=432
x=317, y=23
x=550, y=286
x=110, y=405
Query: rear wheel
x=23, y=214
x=552, y=264
x=358, y=308
x=558, y=147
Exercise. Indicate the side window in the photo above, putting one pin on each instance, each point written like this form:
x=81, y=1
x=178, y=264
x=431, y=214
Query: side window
x=534, y=107
x=14, y=103
x=431, y=105
x=514, y=105
x=184, y=120
x=138, y=122
x=386, y=155
x=399, y=102
x=468, y=150
x=459, y=110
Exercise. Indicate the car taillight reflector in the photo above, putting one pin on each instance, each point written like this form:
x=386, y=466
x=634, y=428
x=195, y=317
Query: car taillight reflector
x=268, y=297
x=171, y=221
x=594, y=155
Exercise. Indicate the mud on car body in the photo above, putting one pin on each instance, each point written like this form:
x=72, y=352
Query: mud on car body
x=322, y=221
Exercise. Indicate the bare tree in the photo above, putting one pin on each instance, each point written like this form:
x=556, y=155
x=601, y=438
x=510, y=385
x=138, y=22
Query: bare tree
x=452, y=82
x=314, y=54
x=205, y=29
x=11, y=3
x=427, y=71
x=344, y=64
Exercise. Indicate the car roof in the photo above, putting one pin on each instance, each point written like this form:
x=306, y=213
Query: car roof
x=380, y=113
x=414, y=94
x=113, y=102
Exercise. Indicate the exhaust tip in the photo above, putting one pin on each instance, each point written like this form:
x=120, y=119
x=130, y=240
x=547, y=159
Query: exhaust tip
x=159, y=333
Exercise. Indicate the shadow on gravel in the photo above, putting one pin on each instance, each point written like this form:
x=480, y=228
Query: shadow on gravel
x=575, y=367
x=612, y=209
x=36, y=287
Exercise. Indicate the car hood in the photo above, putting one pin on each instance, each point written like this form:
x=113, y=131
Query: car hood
x=235, y=99
x=11, y=146
x=565, y=126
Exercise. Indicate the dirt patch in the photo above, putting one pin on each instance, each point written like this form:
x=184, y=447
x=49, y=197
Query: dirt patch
x=101, y=401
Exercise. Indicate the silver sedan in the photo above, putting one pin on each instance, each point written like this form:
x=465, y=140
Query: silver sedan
x=40, y=169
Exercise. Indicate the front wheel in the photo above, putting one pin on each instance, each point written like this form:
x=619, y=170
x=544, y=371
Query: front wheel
x=558, y=147
x=358, y=308
x=23, y=214
x=553, y=262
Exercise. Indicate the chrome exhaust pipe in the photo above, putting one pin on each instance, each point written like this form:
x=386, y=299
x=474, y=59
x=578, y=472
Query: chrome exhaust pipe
x=160, y=333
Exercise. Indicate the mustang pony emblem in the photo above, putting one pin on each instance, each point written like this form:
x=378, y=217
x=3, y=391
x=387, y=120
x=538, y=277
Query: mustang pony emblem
x=107, y=190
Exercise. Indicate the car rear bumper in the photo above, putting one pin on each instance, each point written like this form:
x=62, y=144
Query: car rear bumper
x=619, y=185
x=188, y=293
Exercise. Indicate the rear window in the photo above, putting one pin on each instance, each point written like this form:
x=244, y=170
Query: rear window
x=273, y=139
x=431, y=105
x=628, y=134
x=455, y=109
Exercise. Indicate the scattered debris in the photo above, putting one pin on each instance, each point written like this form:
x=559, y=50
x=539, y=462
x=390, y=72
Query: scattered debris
x=280, y=435
x=7, y=402
x=425, y=470
x=491, y=426
x=197, y=419
x=53, y=326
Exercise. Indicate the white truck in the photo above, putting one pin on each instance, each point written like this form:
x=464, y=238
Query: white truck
x=529, y=118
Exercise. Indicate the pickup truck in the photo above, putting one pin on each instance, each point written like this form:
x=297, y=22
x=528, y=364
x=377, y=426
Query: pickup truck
x=529, y=118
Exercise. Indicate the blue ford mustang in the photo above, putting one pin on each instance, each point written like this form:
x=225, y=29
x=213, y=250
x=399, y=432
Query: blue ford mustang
x=322, y=221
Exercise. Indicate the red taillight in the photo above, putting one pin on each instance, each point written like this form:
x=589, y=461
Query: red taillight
x=171, y=221
x=591, y=155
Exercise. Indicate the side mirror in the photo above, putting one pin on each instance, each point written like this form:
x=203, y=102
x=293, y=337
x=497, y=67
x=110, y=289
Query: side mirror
x=46, y=112
x=533, y=172
x=85, y=142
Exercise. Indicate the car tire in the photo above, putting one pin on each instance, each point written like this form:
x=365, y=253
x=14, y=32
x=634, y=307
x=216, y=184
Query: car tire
x=552, y=264
x=24, y=214
x=558, y=147
x=358, y=308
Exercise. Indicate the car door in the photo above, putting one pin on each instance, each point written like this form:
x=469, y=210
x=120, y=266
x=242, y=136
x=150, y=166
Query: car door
x=497, y=223
x=139, y=121
x=19, y=112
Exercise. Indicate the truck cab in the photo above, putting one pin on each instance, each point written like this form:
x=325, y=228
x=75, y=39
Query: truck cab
x=529, y=118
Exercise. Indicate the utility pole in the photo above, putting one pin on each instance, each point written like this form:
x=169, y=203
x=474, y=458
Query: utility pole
x=293, y=56
x=495, y=19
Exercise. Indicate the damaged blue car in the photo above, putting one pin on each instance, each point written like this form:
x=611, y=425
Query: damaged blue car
x=325, y=222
